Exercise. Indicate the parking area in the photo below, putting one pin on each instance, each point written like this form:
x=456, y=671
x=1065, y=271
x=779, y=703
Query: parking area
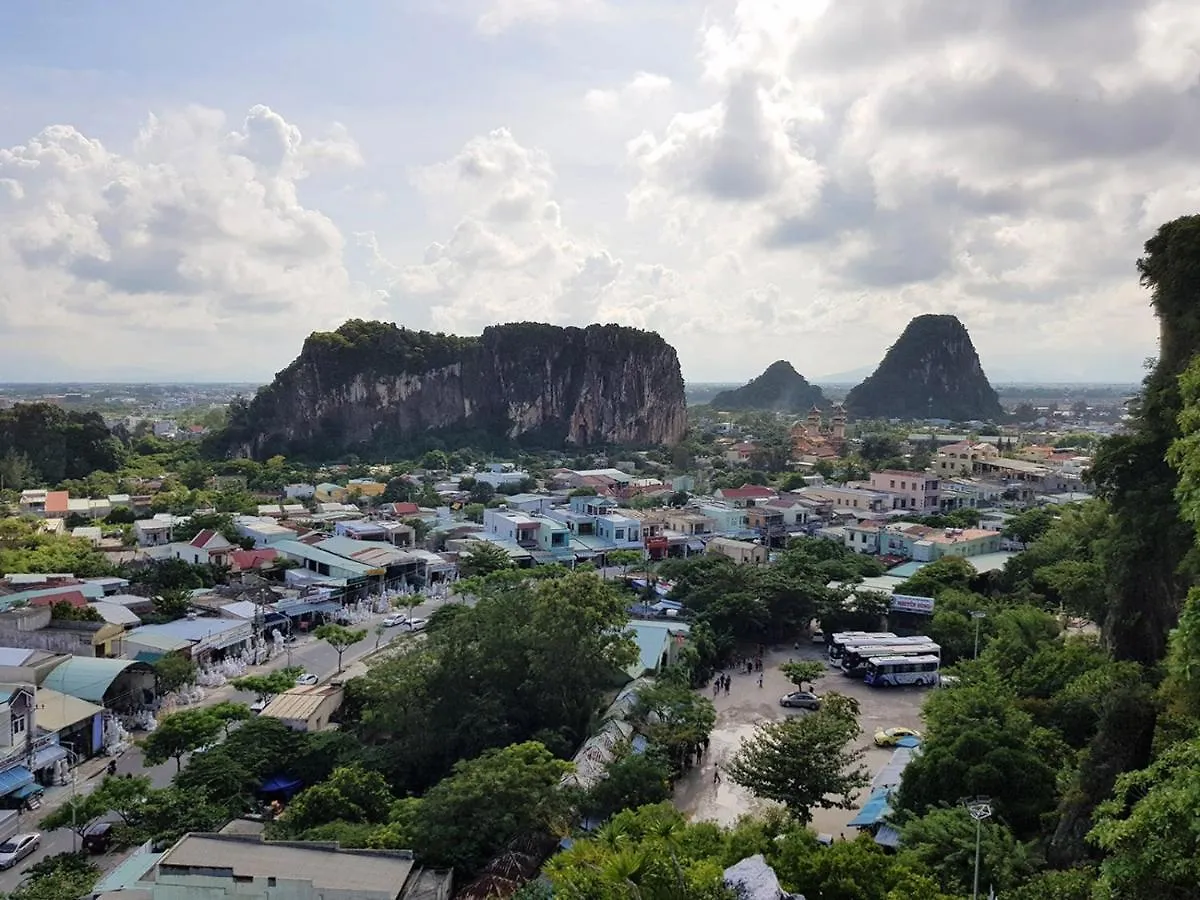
x=705, y=799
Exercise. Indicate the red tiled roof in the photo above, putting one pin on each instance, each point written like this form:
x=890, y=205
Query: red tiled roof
x=75, y=598
x=57, y=501
x=405, y=509
x=747, y=492
x=253, y=559
x=201, y=539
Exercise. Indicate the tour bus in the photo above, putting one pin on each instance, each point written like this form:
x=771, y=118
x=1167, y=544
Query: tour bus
x=855, y=659
x=838, y=644
x=887, y=640
x=889, y=671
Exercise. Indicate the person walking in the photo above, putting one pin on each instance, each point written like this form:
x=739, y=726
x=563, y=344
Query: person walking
x=716, y=776
x=760, y=679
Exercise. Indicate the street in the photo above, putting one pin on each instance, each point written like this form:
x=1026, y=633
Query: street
x=310, y=654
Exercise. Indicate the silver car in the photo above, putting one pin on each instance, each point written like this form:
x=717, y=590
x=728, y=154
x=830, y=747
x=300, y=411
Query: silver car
x=17, y=847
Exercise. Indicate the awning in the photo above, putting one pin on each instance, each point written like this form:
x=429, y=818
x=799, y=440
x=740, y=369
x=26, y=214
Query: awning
x=13, y=779
x=148, y=656
x=48, y=756
x=887, y=836
x=27, y=790
x=874, y=811
x=695, y=546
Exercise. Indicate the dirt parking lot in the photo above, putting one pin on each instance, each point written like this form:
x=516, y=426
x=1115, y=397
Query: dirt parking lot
x=747, y=705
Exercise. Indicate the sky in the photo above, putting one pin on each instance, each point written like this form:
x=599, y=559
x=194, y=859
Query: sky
x=188, y=190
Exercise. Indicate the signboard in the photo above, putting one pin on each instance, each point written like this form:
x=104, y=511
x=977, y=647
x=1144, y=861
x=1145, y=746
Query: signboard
x=905, y=603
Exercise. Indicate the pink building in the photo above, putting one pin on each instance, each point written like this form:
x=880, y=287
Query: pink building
x=912, y=490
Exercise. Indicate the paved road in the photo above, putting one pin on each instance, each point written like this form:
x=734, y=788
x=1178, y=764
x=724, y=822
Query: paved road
x=310, y=654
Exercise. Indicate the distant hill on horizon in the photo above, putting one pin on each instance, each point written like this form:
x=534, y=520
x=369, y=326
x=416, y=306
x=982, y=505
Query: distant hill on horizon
x=780, y=388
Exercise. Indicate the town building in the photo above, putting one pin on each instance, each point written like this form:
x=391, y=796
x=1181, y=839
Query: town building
x=909, y=490
x=741, y=552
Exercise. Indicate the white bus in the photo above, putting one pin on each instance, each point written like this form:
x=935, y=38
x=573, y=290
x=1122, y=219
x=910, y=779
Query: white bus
x=889, y=671
x=837, y=644
x=854, y=660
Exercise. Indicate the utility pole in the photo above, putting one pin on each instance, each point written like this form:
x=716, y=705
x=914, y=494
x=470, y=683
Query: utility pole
x=977, y=616
x=980, y=808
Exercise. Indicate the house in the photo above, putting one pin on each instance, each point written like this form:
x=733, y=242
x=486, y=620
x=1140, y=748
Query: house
x=769, y=523
x=658, y=645
x=746, y=495
x=306, y=708
x=32, y=503
x=960, y=458
x=361, y=530
x=530, y=503
x=199, y=639
x=154, y=532
x=726, y=519
x=219, y=866
x=532, y=533
x=327, y=492
x=293, y=510
x=622, y=531
x=846, y=497
x=253, y=560
x=741, y=552
x=365, y=487
x=687, y=521
x=72, y=722
x=208, y=547
x=740, y=454
x=797, y=513
x=89, y=533
x=398, y=534
x=272, y=510
x=57, y=504
x=500, y=474
x=401, y=510
x=322, y=566
x=299, y=491
x=263, y=530
x=910, y=490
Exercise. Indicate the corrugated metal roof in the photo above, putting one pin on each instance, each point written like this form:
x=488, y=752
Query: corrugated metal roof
x=315, y=554
x=87, y=677
x=57, y=711
x=115, y=613
x=299, y=703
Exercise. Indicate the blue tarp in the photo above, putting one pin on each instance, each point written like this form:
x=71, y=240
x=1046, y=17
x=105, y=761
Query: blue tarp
x=281, y=784
x=909, y=742
x=27, y=790
x=874, y=811
x=14, y=778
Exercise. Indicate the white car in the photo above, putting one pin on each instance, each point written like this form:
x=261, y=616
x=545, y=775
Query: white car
x=416, y=624
x=392, y=621
x=307, y=678
x=259, y=705
x=17, y=847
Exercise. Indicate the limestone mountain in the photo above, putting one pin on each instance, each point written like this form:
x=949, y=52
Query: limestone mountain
x=375, y=386
x=932, y=371
x=780, y=388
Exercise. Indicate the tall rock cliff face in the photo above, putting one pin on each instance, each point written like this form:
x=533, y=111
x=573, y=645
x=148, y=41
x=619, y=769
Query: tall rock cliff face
x=780, y=388
x=931, y=371
x=371, y=385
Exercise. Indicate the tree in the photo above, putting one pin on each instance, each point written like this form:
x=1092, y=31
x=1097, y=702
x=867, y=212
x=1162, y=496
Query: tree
x=172, y=604
x=1029, y=525
x=483, y=558
x=340, y=638
x=630, y=780
x=803, y=761
x=943, y=840
x=268, y=685
x=174, y=671
x=229, y=712
x=76, y=813
x=57, y=877
x=625, y=559
x=124, y=796
x=1148, y=829
x=168, y=813
x=178, y=734
x=673, y=717
x=487, y=802
x=803, y=672
x=350, y=794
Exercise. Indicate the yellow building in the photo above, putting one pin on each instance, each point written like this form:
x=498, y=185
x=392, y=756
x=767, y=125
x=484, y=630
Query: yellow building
x=365, y=487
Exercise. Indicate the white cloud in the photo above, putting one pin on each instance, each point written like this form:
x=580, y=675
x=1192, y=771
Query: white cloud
x=180, y=256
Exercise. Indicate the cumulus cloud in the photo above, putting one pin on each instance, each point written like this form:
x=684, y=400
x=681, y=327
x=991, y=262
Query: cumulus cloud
x=640, y=88
x=510, y=255
x=180, y=254
x=934, y=154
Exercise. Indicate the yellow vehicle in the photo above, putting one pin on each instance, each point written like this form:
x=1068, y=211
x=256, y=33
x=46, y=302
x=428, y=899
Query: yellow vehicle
x=890, y=737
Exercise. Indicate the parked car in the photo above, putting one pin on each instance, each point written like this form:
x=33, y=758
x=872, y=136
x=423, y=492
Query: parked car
x=98, y=837
x=393, y=621
x=307, y=678
x=260, y=704
x=890, y=737
x=17, y=847
x=416, y=624
x=818, y=636
x=800, y=700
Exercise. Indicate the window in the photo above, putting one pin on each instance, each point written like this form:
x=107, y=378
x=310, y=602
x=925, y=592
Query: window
x=893, y=482
x=619, y=534
x=19, y=724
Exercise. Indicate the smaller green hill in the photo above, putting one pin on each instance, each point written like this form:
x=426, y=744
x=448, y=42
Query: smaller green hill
x=780, y=388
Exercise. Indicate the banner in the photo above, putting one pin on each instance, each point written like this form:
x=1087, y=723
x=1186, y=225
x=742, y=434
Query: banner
x=905, y=603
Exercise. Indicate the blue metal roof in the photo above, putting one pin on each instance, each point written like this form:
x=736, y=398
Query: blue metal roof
x=874, y=811
x=87, y=677
x=14, y=779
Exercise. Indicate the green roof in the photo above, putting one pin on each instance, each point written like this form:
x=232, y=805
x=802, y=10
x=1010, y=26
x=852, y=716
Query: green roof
x=87, y=677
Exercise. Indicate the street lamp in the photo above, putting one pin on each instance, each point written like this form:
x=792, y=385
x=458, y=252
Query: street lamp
x=980, y=808
x=74, y=758
x=977, y=616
